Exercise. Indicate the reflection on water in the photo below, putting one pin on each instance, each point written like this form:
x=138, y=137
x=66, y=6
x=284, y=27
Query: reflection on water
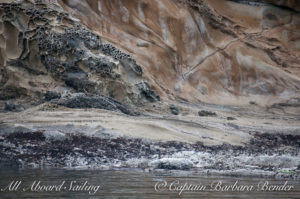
x=135, y=184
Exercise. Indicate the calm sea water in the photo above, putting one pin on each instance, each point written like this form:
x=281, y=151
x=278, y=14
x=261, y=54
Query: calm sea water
x=133, y=184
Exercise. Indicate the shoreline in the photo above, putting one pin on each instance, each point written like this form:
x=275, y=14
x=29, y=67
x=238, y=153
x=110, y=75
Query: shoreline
x=273, y=156
x=254, y=142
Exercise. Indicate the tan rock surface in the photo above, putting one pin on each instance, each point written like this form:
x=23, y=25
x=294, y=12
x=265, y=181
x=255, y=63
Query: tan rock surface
x=220, y=52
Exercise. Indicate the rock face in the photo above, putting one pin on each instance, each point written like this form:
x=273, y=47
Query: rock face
x=121, y=83
x=46, y=52
x=205, y=50
x=143, y=51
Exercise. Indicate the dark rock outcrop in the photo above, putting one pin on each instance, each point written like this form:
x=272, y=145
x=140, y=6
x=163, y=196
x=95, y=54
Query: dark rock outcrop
x=147, y=92
x=174, y=109
x=231, y=118
x=206, y=113
x=81, y=85
x=100, y=102
x=50, y=95
x=10, y=106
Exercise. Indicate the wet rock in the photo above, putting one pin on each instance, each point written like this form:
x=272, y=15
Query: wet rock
x=219, y=165
x=50, y=95
x=271, y=141
x=147, y=92
x=174, y=109
x=173, y=164
x=231, y=118
x=10, y=106
x=81, y=149
x=203, y=113
x=36, y=136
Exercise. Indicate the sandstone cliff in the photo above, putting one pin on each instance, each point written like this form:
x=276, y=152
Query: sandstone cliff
x=207, y=84
x=222, y=52
x=135, y=52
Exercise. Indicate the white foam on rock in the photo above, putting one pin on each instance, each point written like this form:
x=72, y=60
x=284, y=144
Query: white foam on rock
x=54, y=135
x=172, y=163
x=243, y=164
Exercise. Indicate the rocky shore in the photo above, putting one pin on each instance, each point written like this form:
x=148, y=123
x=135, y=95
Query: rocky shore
x=98, y=139
x=200, y=85
x=266, y=155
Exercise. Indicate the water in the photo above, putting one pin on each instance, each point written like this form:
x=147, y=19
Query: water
x=133, y=184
